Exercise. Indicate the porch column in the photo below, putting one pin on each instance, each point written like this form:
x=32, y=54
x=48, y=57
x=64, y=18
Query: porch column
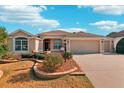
x=101, y=46
x=68, y=45
x=36, y=45
x=13, y=46
x=110, y=49
x=41, y=45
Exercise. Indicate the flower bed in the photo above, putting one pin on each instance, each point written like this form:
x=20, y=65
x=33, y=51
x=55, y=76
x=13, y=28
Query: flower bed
x=69, y=64
x=67, y=68
x=45, y=75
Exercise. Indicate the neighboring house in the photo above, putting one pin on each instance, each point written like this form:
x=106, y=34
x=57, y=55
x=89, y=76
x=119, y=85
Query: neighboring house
x=21, y=41
x=118, y=41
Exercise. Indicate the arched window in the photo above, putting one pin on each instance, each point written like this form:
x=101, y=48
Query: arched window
x=21, y=44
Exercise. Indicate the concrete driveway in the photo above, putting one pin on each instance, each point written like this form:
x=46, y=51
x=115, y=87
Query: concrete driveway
x=103, y=70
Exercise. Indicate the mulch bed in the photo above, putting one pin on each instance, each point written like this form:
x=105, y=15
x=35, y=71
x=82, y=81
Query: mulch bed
x=20, y=75
x=1, y=73
x=69, y=64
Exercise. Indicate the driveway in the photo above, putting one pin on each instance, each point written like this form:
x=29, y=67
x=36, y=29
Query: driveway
x=103, y=70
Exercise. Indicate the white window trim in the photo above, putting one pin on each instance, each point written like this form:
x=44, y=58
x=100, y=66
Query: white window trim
x=14, y=44
x=54, y=44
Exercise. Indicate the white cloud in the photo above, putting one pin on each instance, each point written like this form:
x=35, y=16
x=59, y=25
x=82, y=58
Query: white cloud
x=108, y=25
x=109, y=9
x=74, y=29
x=28, y=15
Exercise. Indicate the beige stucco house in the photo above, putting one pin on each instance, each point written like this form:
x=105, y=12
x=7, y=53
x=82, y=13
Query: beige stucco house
x=21, y=41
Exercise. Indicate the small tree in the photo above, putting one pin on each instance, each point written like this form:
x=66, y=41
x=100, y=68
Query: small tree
x=3, y=41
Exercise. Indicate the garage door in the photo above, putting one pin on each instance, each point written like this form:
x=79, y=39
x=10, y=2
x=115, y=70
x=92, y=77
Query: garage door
x=83, y=46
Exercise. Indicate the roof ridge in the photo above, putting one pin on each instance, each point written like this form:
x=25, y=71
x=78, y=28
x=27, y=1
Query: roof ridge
x=21, y=31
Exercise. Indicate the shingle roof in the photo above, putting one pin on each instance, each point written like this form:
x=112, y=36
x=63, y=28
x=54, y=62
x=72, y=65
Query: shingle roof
x=20, y=30
x=60, y=33
x=116, y=34
x=69, y=34
x=84, y=34
x=54, y=32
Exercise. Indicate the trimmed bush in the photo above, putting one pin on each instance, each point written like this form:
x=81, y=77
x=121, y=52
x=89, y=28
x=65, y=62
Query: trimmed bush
x=52, y=62
x=39, y=56
x=67, y=55
x=27, y=55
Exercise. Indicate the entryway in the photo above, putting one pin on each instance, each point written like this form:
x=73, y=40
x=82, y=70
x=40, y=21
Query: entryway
x=46, y=44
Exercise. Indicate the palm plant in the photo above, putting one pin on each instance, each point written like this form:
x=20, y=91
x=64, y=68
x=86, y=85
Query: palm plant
x=3, y=35
x=3, y=41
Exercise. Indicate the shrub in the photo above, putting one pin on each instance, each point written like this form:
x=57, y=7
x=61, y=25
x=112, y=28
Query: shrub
x=27, y=55
x=39, y=56
x=52, y=62
x=3, y=50
x=11, y=56
x=67, y=55
x=3, y=41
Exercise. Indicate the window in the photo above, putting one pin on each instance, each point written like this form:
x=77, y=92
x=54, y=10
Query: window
x=21, y=44
x=57, y=44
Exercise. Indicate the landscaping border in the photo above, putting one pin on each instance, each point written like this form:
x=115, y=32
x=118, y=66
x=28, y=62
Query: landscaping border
x=45, y=75
x=8, y=61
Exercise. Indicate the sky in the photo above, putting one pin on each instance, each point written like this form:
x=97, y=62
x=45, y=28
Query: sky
x=98, y=19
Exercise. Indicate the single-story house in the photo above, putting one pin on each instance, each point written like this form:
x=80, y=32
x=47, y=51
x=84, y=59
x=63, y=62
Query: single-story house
x=21, y=41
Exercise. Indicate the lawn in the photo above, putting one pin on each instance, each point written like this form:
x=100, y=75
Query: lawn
x=20, y=75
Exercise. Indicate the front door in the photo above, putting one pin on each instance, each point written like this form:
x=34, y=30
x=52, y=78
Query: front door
x=46, y=45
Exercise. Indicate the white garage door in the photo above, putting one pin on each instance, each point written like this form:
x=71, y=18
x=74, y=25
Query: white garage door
x=84, y=46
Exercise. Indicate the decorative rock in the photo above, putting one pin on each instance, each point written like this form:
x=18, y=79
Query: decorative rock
x=1, y=73
x=38, y=61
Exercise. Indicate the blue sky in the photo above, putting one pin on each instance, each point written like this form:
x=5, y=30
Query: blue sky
x=36, y=19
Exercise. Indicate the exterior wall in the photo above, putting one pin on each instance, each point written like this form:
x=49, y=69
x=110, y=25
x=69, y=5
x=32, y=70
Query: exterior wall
x=107, y=46
x=31, y=45
x=10, y=44
x=85, y=46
